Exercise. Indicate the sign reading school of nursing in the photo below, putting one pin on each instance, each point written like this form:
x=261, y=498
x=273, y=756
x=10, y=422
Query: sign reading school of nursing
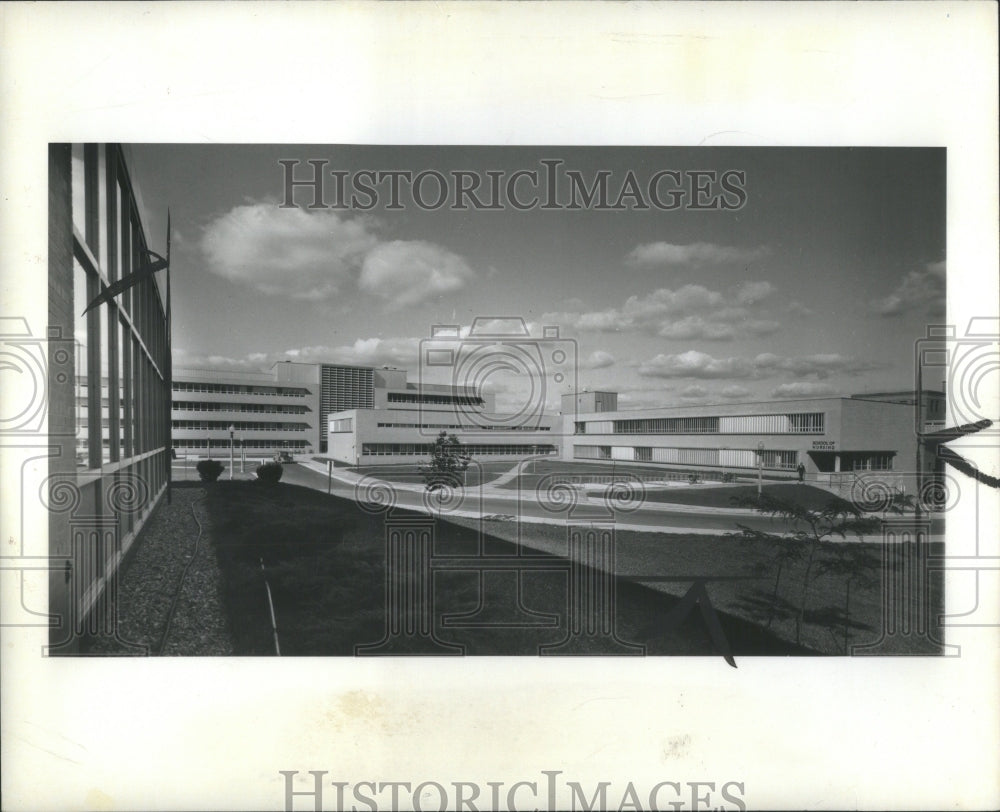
x=824, y=445
x=547, y=187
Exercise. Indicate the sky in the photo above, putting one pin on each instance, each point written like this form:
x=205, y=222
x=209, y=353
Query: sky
x=816, y=280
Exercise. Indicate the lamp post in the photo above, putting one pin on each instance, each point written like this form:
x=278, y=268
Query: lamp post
x=232, y=431
x=760, y=468
x=243, y=454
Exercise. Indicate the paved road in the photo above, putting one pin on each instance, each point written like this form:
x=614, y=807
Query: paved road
x=487, y=501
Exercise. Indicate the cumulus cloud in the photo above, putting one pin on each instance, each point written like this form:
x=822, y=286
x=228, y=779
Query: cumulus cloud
x=818, y=366
x=253, y=362
x=692, y=254
x=922, y=290
x=803, y=389
x=687, y=313
x=697, y=327
x=405, y=272
x=312, y=255
x=695, y=364
x=753, y=292
x=304, y=255
x=374, y=352
x=799, y=309
x=598, y=359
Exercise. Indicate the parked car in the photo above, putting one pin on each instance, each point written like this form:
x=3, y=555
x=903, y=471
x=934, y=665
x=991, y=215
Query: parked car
x=283, y=457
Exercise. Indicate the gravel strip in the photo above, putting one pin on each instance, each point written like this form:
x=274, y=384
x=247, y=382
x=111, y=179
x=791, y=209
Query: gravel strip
x=148, y=585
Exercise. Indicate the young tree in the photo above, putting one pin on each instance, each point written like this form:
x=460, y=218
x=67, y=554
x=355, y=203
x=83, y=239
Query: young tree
x=448, y=463
x=808, y=531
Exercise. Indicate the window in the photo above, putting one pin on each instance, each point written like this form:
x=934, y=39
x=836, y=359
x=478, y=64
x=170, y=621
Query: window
x=472, y=449
x=82, y=287
x=869, y=462
x=780, y=459
x=806, y=423
x=439, y=400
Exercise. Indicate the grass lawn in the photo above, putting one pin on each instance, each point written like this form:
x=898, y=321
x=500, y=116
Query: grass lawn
x=837, y=616
x=325, y=561
x=477, y=473
x=535, y=471
x=727, y=495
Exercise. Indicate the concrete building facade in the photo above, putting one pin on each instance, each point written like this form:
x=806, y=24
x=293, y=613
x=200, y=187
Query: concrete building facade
x=407, y=417
x=828, y=436
x=266, y=416
x=282, y=410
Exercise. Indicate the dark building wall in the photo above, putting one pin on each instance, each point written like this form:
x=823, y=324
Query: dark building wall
x=61, y=395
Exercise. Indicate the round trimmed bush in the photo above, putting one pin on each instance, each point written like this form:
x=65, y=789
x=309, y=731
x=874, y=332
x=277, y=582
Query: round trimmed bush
x=209, y=470
x=269, y=473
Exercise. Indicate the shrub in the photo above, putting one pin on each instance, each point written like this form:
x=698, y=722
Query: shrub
x=728, y=477
x=269, y=473
x=209, y=470
x=694, y=479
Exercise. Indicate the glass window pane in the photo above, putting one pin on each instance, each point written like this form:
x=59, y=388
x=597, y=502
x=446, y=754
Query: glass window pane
x=125, y=245
x=102, y=209
x=123, y=365
x=80, y=390
x=79, y=190
x=102, y=337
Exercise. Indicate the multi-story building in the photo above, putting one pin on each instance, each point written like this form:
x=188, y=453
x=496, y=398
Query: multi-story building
x=108, y=384
x=263, y=415
x=827, y=436
x=407, y=417
x=284, y=409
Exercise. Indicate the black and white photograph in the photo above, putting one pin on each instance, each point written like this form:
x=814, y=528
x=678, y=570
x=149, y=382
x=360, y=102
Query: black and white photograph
x=626, y=447
x=501, y=401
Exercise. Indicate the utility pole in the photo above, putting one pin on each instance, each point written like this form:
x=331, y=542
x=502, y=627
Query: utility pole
x=232, y=431
x=920, y=439
x=760, y=468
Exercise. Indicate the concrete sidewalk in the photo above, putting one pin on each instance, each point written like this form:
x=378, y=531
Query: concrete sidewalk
x=514, y=498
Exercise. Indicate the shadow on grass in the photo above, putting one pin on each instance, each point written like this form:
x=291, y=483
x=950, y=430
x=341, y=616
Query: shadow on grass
x=325, y=561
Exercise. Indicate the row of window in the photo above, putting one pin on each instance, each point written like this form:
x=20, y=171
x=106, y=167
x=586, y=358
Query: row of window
x=222, y=425
x=726, y=457
x=344, y=388
x=245, y=408
x=461, y=427
x=240, y=389
x=440, y=400
x=254, y=442
x=472, y=449
x=798, y=423
x=867, y=462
